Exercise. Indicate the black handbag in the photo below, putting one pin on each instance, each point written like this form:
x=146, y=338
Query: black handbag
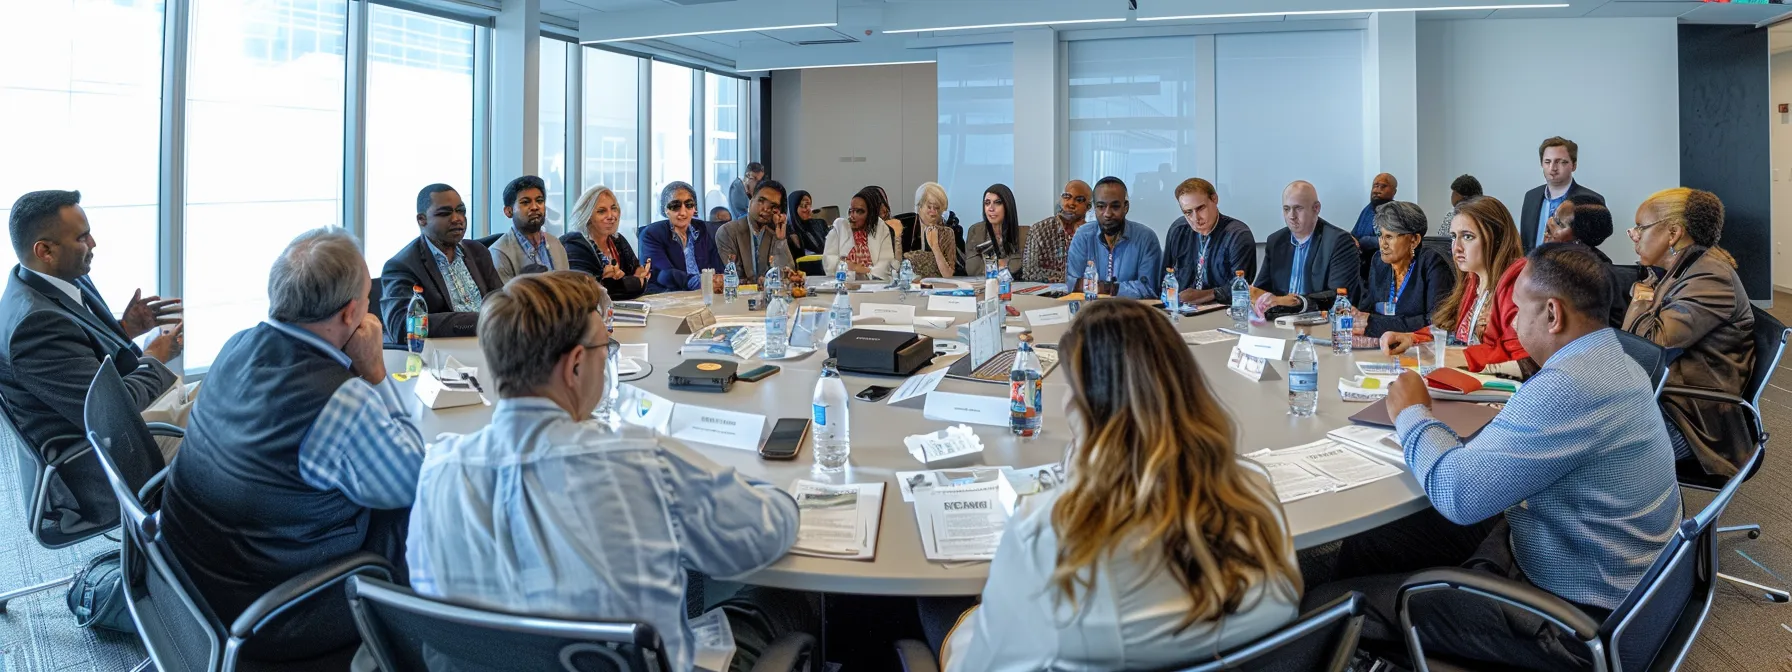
x=96, y=597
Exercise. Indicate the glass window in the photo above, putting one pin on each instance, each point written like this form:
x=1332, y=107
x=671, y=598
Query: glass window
x=553, y=128
x=85, y=114
x=1132, y=116
x=976, y=87
x=612, y=92
x=671, y=125
x=1259, y=128
x=264, y=151
x=721, y=136
x=419, y=122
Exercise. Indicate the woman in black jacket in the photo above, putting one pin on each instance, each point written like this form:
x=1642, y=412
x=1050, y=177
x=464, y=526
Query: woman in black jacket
x=1406, y=281
x=594, y=247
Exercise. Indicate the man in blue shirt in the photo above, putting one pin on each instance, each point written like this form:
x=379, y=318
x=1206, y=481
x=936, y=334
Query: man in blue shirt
x=1560, y=157
x=1570, y=488
x=1368, y=243
x=1128, y=260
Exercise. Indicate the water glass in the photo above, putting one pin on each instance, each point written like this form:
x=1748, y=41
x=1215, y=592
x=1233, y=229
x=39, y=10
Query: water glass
x=707, y=286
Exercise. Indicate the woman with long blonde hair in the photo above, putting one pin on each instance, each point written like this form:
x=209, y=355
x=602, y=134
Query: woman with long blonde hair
x=1484, y=243
x=1162, y=548
x=594, y=247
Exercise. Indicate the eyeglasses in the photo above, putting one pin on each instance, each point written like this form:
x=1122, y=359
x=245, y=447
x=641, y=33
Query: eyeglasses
x=1639, y=228
x=675, y=206
x=1075, y=199
x=612, y=344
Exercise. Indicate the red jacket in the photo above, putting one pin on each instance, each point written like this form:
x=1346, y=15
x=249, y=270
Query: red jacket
x=1499, y=338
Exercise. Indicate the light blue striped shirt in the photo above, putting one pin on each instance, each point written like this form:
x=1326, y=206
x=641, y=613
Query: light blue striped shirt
x=1579, y=461
x=1297, y=276
x=364, y=442
x=542, y=515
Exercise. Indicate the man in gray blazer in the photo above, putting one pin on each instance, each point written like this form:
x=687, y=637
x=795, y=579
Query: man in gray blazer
x=525, y=248
x=756, y=242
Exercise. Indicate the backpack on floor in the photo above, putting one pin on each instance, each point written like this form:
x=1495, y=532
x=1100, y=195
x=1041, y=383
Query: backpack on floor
x=96, y=597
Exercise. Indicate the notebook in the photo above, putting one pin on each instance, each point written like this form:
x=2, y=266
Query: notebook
x=1464, y=418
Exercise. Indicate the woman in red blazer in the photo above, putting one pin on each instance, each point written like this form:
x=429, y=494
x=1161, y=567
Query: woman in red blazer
x=1480, y=313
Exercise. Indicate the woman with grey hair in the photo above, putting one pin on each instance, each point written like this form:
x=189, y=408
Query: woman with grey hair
x=678, y=247
x=594, y=246
x=1406, y=281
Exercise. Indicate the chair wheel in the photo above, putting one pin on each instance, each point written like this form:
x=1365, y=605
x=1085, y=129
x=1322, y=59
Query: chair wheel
x=1781, y=599
x=1754, y=534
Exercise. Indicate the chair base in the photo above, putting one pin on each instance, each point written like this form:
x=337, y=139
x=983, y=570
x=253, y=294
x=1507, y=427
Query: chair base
x=1772, y=594
x=30, y=590
x=1754, y=531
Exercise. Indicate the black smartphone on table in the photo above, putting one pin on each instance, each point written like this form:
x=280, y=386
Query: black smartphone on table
x=874, y=393
x=786, y=440
x=758, y=373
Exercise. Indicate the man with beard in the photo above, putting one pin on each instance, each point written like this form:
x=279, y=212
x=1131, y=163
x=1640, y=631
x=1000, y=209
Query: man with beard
x=455, y=274
x=1381, y=191
x=525, y=248
x=1128, y=260
x=1048, y=241
x=756, y=242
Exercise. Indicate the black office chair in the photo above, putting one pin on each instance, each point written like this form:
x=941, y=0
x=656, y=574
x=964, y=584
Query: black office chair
x=177, y=627
x=1438, y=244
x=405, y=631
x=487, y=241
x=1653, y=358
x=1653, y=628
x=1324, y=638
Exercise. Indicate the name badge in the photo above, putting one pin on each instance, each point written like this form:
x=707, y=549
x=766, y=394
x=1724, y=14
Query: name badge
x=717, y=427
x=971, y=408
x=1262, y=347
x=1045, y=316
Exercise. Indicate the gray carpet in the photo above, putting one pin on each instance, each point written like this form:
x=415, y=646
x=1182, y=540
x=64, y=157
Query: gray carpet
x=1746, y=632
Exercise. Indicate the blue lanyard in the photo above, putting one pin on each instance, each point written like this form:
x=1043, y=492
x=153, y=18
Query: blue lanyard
x=1393, y=296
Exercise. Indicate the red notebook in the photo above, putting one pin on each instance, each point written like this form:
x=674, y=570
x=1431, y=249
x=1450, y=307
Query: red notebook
x=1452, y=380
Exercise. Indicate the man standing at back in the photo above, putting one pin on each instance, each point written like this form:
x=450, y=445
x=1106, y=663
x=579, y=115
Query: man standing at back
x=455, y=273
x=1048, y=242
x=743, y=188
x=1128, y=260
x=525, y=248
x=1560, y=157
x=1305, y=264
x=300, y=452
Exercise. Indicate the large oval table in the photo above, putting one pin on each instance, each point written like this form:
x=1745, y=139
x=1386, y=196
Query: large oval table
x=900, y=568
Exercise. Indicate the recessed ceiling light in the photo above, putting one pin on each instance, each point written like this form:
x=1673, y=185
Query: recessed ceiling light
x=1017, y=24
x=1313, y=12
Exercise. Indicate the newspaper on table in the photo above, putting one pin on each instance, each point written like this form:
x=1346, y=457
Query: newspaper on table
x=1319, y=467
x=838, y=521
x=714, y=639
x=1024, y=480
x=964, y=522
x=1377, y=441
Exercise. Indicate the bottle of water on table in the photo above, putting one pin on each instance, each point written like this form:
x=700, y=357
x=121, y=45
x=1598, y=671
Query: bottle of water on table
x=831, y=431
x=1026, y=390
x=1343, y=323
x=730, y=282
x=416, y=328
x=1172, y=296
x=1091, y=283
x=839, y=316
x=777, y=326
x=1240, y=310
x=840, y=274
x=905, y=279
x=1303, y=378
x=1005, y=285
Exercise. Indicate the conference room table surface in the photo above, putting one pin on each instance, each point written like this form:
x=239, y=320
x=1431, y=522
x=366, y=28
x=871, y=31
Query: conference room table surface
x=1259, y=409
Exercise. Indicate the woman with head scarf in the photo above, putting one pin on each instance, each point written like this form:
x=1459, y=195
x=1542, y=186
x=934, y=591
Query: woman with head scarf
x=808, y=233
x=1406, y=280
x=1001, y=229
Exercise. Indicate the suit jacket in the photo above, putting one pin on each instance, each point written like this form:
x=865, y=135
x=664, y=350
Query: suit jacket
x=583, y=256
x=508, y=258
x=659, y=245
x=735, y=241
x=1331, y=264
x=416, y=265
x=1533, y=204
x=1427, y=284
x=52, y=346
x=1230, y=248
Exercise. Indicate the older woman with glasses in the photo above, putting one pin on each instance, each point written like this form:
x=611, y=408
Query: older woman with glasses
x=676, y=250
x=1407, y=282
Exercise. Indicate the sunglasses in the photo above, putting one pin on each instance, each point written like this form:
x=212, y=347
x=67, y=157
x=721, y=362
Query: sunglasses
x=675, y=206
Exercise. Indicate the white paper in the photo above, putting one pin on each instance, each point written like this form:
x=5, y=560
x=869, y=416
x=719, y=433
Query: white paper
x=1377, y=441
x=715, y=426
x=837, y=521
x=1045, y=316
x=1034, y=480
x=1259, y=346
x=714, y=640
x=1246, y=365
x=934, y=321
x=904, y=328
x=949, y=443
x=963, y=522
x=645, y=409
x=890, y=313
x=1380, y=368
x=971, y=408
x=911, y=482
x=1208, y=336
x=916, y=386
x=1319, y=467
x=952, y=304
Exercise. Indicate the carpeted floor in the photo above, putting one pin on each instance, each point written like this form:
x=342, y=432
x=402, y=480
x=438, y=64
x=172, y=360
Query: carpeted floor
x=1745, y=632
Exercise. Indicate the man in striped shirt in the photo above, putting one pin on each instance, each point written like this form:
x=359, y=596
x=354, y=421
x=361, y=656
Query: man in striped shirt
x=1570, y=488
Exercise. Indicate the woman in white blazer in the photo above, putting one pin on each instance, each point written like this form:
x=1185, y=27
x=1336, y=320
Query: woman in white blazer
x=866, y=243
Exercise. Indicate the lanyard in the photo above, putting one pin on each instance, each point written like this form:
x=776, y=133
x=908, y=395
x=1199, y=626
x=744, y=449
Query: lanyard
x=1111, y=251
x=1201, y=264
x=1393, y=295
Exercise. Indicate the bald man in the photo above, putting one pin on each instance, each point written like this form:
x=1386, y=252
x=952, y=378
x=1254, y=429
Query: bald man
x=1305, y=264
x=1048, y=240
x=1381, y=191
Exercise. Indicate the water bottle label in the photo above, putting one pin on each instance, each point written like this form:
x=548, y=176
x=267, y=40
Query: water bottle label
x=821, y=415
x=1303, y=381
x=1346, y=323
x=1025, y=398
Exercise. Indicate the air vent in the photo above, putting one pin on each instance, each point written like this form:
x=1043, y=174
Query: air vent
x=837, y=40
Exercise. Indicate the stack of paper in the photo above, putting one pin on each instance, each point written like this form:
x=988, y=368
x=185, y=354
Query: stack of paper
x=1376, y=441
x=1024, y=480
x=963, y=522
x=731, y=340
x=838, y=521
x=629, y=313
x=952, y=442
x=1319, y=467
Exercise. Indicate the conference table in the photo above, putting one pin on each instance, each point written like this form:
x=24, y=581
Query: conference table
x=1259, y=409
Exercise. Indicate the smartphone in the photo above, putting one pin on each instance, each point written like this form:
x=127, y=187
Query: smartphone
x=758, y=374
x=874, y=393
x=787, y=439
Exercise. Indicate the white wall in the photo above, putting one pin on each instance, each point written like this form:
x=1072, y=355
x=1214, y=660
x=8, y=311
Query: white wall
x=837, y=130
x=1491, y=90
x=1780, y=91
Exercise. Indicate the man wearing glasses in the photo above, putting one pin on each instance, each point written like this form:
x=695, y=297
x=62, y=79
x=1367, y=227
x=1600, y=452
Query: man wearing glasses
x=1560, y=156
x=756, y=242
x=1048, y=241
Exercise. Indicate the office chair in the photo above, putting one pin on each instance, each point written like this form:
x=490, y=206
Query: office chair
x=177, y=627
x=405, y=631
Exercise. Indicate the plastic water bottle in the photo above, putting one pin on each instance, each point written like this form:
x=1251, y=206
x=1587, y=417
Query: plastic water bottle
x=989, y=268
x=1343, y=322
x=774, y=283
x=416, y=328
x=1303, y=378
x=840, y=315
x=1091, y=283
x=905, y=279
x=730, y=282
x=606, y=409
x=1172, y=296
x=840, y=271
x=1026, y=390
x=832, y=431
x=1241, y=302
x=777, y=326
x=1005, y=285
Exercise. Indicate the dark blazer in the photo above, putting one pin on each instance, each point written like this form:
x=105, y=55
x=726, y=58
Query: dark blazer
x=1232, y=247
x=52, y=347
x=1432, y=278
x=660, y=246
x=415, y=265
x=582, y=255
x=1331, y=264
x=1533, y=204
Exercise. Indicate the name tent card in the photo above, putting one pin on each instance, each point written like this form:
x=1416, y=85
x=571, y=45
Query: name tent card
x=890, y=313
x=971, y=408
x=1250, y=366
x=1265, y=348
x=695, y=322
x=1046, y=316
x=715, y=426
x=952, y=304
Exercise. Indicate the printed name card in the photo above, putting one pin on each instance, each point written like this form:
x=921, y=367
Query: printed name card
x=952, y=304
x=697, y=321
x=715, y=426
x=644, y=409
x=1261, y=347
x=1045, y=316
x=890, y=313
x=1249, y=366
x=972, y=408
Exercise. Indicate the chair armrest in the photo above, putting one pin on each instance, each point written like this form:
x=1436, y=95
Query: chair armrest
x=789, y=653
x=1754, y=414
x=1524, y=596
x=915, y=656
x=65, y=448
x=165, y=429
x=299, y=588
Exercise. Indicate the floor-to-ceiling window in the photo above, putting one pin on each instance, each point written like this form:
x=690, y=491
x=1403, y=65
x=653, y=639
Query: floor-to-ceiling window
x=552, y=134
x=671, y=126
x=1132, y=116
x=723, y=155
x=612, y=120
x=976, y=119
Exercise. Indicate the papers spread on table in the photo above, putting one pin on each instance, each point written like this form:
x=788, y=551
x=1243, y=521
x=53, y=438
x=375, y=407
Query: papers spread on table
x=714, y=640
x=1371, y=440
x=729, y=340
x=957, y=441
x=1207, y=336
x=916, y=386
x=1024, y=480
x=964, y=522
x=1319, y=467
x=630, y=313
x=838, y=521
x=675, y=304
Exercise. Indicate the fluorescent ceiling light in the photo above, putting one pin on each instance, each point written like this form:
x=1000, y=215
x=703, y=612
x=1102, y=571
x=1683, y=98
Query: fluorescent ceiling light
x=715, y=32
x=1003, y=25
x=848, y=65
x=1311, y=12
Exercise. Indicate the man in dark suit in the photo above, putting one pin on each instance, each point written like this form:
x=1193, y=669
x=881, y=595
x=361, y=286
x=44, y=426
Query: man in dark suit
x=1306, y=264
x=1560, y=157
x=57, y=331
x=455, y=273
